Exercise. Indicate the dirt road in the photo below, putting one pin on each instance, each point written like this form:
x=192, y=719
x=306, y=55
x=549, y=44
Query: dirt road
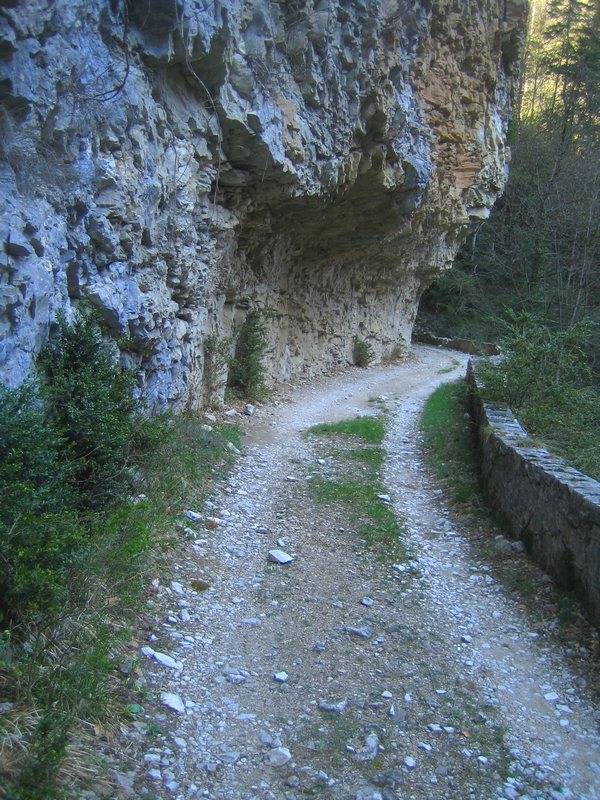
x=346, y=674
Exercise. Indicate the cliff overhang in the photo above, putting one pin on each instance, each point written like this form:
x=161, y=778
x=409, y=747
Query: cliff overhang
x=177, y=162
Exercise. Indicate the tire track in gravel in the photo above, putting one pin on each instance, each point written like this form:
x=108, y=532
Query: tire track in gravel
x=419, y=706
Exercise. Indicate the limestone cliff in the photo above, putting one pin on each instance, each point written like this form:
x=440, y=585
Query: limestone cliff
x=180, y=161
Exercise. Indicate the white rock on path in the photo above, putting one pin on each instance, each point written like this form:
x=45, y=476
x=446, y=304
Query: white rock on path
x=167, y=661
x=278, y=757
x=173, y=701
x=280, y=557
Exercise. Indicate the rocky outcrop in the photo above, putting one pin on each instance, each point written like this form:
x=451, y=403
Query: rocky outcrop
x=177, y=162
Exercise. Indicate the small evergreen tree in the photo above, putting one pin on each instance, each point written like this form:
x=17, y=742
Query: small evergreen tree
x=247, y=371
x=90, y=402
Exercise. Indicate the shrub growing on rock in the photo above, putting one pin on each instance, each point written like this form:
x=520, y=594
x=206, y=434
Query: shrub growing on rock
x=89, y=400
x=247, y=371
x=363, y=352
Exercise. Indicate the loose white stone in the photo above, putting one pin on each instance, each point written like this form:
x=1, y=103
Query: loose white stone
x=177, y=587
x=280, y=557
x=193, y=516
x=281, y=677
x=278, y=757
x=551, y=696
x=367, y=601
x=147, y=651
x=173, y=701
x=166, y=661
x=410, y=762
x=388, y=695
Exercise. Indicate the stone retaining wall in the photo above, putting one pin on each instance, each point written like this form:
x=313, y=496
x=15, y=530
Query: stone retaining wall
x=552, y=508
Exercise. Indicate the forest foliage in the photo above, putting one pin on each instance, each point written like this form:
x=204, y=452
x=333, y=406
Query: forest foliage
x=529, y=276
x=539, y=251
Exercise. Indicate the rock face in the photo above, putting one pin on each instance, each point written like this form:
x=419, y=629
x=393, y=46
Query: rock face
x=177, y=162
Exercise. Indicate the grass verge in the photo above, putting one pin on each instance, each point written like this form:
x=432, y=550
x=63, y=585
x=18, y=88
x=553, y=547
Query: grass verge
x=61, y=686
x=448, y=441
x=356, y=485
x=450, y=451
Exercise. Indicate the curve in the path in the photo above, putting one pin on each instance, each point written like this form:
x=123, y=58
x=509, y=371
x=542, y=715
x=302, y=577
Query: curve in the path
x=452, y=626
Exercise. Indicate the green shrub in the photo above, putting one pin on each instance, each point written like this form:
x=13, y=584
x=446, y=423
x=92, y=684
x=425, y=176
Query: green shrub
x=247, y=371
x=537, y=359
x=217, y=354
x=89, y=400
x=546, y=379
x=33, y=474
x=363, y=352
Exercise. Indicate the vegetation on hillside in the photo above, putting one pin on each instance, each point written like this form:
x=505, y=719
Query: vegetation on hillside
x=529, y=277
x=89, y=491
x=540, y=249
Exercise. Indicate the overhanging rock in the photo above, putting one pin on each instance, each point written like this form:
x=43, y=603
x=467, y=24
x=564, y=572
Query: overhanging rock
x=180, y=162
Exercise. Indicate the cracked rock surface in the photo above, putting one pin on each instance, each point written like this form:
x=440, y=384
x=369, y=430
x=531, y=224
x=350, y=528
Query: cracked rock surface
x=347, y=673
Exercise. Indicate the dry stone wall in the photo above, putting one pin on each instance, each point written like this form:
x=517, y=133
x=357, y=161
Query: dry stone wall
x=176, y=162
x=552, y=508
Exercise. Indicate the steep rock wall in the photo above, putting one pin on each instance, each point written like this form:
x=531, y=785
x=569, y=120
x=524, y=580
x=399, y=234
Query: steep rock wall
x=177, y=162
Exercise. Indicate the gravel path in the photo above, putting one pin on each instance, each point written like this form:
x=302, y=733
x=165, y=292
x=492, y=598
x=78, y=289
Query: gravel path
x=345, y=675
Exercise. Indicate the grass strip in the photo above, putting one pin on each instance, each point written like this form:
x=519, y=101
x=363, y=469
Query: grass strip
x=449, y=445
x=357, y=485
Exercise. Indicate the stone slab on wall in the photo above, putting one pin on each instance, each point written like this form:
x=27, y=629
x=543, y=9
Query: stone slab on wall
x=552, y=508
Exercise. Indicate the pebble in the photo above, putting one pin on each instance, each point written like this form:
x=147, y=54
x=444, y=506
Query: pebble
x=279, y=557
x=193, y=516
x=369, y=793
x=367, y=601
x=280, y=677
x=362, y=631
x=172, y=701
x=177, y=587
x=410, y=762
x=167, y=661
x=551, y=696
x=336, y=708
x=370, y=749
x=278, y=757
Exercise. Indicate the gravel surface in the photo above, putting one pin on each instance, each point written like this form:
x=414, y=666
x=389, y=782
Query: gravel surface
x=288, y=660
